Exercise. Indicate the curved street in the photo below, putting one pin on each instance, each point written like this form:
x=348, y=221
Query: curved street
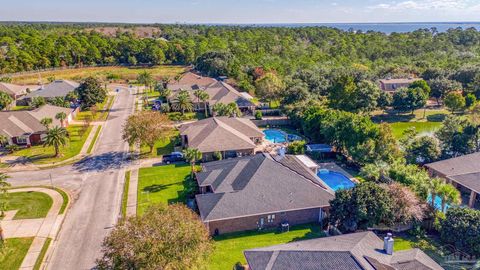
x=96, y=185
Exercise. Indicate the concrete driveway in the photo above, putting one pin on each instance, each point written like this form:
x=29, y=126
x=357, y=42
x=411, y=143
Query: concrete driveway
x=96, y=185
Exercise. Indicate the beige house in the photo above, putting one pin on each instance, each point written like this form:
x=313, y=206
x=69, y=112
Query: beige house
x=16, y=91
x=218, y=92
x=24, y=127
x=464, y=173
x=392, y=85
x=230, y=136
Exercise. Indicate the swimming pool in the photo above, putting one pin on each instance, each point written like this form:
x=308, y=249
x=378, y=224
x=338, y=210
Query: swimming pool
x=438, y=203
x=335, y=180
x=275, y=135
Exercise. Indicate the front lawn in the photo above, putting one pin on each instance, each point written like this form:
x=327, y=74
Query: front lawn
x=29, y=204
x=100, y=115
x=229, y=248
x=163, y=184
x=162, y=147
x=14, y=252
x=44, y=155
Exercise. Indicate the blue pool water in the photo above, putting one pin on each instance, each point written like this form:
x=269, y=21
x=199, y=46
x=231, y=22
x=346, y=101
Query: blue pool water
x=275, y=135
x=335, y=180
x=438, y=203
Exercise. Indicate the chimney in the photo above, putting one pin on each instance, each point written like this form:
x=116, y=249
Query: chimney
x=388, y=244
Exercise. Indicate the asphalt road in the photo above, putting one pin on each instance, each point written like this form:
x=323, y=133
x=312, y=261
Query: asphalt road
x=97, y=184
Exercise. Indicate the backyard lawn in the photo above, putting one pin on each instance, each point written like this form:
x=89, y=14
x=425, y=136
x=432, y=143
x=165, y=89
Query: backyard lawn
x=44, y=155
x=163, y=184
x=424, y=121
x=117, y=74
x=15, y=250
x=229, y=248
x=29, y=204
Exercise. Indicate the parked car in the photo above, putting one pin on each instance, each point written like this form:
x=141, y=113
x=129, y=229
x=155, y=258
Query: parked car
x=173, y=157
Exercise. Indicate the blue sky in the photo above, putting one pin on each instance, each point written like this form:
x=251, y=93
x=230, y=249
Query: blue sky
x=240, y=11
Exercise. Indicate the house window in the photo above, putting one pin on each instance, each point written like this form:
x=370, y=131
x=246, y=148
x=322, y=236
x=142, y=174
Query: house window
x=270, y=218
x=43, y=137
x=22, y=140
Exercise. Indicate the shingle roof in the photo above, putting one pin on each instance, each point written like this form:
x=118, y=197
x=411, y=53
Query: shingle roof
x=17, y=123
x=15, y=90
x=58, y=88
x=189, y=80
x=256, y=185
x=362, y=250
x=221, y=134
x=464, y=170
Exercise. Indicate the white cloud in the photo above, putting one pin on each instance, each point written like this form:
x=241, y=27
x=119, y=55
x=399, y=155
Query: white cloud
x=424, y=5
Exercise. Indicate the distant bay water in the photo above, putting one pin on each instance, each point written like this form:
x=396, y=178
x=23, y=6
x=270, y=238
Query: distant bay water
x=387, y=28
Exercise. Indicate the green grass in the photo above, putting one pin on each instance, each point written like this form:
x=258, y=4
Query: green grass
x=14, y=252
x=229, y=248
x=122, y=73
x=162, y=147
x=94, y=140
x=41, y=256
x=421, y=127
x=65, y=200
x=20, y=108
x=164, y=184
x=29, y=204
x=101, y=114
x=45, y=155
x=402, y=244
x=125, y=193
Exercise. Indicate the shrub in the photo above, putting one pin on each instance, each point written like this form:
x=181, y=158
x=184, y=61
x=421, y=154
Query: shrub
x=258, y=115
x=296, y=147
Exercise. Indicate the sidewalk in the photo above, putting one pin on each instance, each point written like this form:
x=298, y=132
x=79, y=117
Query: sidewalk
x=40, y=229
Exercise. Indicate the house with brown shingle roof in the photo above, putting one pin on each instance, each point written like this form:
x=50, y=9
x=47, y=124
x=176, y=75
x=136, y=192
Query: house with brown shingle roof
x=258, y=192
x=463, y=172
x=392, y=85
x=356, y=251
x=230, y=136
x=218, y=92
x=16, y=91
x=24, y=127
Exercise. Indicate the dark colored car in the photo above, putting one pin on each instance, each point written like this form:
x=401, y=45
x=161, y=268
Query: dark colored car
x=173, y=157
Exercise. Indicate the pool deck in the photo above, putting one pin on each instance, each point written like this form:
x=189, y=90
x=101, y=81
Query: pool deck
x=335, y=168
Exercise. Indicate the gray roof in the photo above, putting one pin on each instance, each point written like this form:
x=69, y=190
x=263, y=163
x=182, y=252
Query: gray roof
x=190, y=81
x=464, y=170
x=362, y=250
x=18, y=123
x=399, y=81
x=256, y=185
x=58, y=88
x=221, y=134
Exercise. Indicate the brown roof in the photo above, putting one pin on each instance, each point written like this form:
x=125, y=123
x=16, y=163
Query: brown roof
x=190, y=79
x=14, y=89
x=464, y=170
x=17, y=123
x=221, y=134
x=399, y=81
x=218, y=92
x=363, y=250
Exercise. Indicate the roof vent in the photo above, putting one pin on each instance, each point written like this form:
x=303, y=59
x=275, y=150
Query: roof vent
x=388, y=244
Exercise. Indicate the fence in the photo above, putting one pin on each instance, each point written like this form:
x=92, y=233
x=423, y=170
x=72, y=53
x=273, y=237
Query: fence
x=272, y=122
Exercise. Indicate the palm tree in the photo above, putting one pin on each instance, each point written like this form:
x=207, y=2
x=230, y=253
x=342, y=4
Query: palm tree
x=434, y=187
x=202, y=96
x=56, y=137
x=4, y=185
x=449, y=195
x=145, y=78
x=61, y=116
x=182, y=102
x=192, y=155
x=46, y=122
